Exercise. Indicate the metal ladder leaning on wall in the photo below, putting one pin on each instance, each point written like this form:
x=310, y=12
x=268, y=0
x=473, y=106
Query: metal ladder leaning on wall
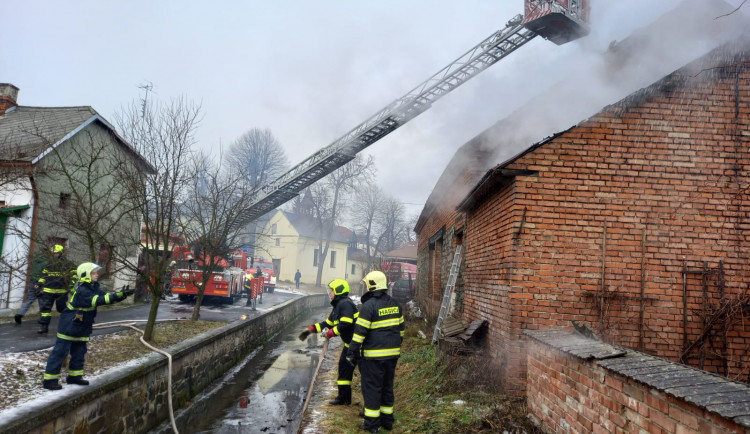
x=446, y=304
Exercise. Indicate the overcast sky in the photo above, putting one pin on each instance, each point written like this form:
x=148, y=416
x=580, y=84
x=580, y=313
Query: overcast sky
x=308, y=70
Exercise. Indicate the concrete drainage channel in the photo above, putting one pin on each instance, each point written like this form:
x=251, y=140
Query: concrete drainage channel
x=264, y=393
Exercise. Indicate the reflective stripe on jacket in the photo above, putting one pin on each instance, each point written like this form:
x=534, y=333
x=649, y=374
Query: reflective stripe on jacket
x=78, y=318
x=379, y=329
x=341, y=319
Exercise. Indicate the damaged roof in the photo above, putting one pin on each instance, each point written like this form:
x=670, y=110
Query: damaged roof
x=628, y=65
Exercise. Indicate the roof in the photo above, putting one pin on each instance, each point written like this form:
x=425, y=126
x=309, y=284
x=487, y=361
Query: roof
x=355, y=254
x=407, y=251
x=32, y=132
x=649, y=54
x=735, y=53
x=308, y=227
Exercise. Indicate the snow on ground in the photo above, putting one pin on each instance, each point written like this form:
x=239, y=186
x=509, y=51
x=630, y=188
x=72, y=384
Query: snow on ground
x=22, y=373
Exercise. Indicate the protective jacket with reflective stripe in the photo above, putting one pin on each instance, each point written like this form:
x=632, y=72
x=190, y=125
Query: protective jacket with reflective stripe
x=83, y=303
x=341, y=319
x=56, y=276
x=379, y=328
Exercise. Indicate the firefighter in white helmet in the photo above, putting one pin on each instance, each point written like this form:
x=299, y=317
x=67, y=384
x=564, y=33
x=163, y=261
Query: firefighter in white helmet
x=75, y=326
x=376, y=345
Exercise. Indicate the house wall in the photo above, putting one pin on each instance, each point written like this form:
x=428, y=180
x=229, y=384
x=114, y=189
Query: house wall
x=296, y=252
x=355, y=278
x=621, y=204
x=17, y=233
x=286, y=251
x=306, y=253
x=92, y=144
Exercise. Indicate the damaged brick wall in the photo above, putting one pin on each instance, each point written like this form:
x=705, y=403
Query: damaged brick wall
x=617, y=208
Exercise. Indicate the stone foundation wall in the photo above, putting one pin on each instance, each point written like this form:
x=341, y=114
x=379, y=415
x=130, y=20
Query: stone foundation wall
x=133, y=398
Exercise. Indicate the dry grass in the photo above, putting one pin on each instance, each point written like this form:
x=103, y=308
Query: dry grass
x=436, y=397
x=21, y=373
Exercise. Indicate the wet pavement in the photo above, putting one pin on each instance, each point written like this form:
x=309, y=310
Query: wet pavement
x=23, y=337
x=266, y=392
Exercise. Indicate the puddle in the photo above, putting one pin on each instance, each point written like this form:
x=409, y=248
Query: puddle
x=266, y=394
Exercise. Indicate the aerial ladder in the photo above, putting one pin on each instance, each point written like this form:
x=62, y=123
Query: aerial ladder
x=559, y=21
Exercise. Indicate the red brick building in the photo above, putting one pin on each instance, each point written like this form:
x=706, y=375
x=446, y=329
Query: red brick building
x=633, y=222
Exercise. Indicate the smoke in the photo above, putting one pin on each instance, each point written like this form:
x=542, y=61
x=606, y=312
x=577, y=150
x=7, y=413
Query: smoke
x=591, y=78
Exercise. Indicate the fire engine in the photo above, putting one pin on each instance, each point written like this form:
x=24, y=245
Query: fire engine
x=240, y=260
x=402, y=279
x=227, y=283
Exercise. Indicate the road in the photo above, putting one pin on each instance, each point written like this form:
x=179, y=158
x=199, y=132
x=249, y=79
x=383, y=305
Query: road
x=16, y=338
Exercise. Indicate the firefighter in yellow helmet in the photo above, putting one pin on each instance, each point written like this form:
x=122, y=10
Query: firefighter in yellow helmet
x=56, y=278
x=339, y=323
x=376, y=344
x=75, y=326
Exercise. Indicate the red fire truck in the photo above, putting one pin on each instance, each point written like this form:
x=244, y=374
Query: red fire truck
x=402, y=278
x=227, y=283
x=240, y=259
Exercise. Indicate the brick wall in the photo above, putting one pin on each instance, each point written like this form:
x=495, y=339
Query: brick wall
x=595, y=388
x=616, y=210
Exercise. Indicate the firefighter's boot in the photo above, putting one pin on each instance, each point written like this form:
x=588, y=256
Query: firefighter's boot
x=77, y=380
x=344, y=397
x=51, y=385
x=43, y=329
x=17, y=318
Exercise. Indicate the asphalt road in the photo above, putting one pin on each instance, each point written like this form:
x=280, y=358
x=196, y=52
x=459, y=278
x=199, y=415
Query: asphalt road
x=22, y=337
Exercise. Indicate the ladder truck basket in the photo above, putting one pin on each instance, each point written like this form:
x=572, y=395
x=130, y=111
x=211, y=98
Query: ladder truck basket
x=559, y=21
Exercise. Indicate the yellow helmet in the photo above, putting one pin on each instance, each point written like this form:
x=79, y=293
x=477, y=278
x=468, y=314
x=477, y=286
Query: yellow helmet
x=375, y=280
x=84, y=271
x=339, y=286
x=57, y=248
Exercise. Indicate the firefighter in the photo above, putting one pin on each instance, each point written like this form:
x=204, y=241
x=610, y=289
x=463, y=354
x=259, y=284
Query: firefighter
x=339, y=323
x=54, y=282
x=378, y=334
x=75, y=326
x=249, y=289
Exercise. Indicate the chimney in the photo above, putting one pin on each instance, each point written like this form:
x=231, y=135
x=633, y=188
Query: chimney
x=8, y=97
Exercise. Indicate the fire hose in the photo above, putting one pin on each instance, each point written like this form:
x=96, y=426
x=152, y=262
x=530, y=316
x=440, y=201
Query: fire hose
x=131, y=324
x=312, y=383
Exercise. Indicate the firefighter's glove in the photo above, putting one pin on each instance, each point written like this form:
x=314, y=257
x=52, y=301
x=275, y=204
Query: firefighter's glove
x=304, y=335
x=78, y=317
x=330, y=334
x=127, y=290
x=351, y=360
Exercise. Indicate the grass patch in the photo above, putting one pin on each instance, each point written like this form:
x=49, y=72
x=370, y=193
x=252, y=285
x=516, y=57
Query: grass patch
x=435, y=396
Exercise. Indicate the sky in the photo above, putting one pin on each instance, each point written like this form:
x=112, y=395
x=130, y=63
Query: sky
x=309, y=71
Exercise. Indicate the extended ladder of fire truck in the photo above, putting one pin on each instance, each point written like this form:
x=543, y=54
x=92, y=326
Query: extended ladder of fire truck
x=557, y=20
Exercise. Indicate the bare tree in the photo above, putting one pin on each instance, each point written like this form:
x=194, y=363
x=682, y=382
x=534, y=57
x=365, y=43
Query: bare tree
x=85, y=197
x=163, y=135
x=258, y=156
x=330, y=196
x=391, y=225
x=369, y=199
x=210, y=215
